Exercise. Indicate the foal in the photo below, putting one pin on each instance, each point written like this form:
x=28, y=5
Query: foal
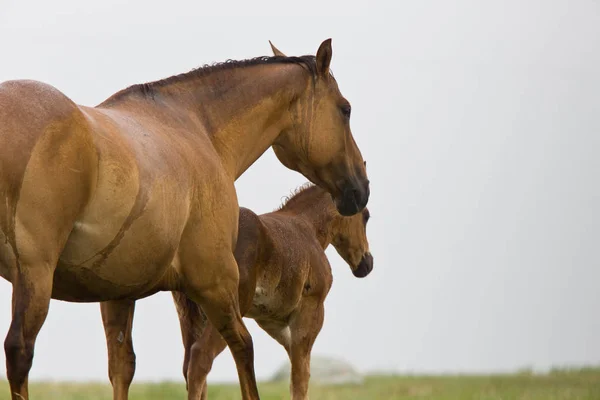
x=284, y=279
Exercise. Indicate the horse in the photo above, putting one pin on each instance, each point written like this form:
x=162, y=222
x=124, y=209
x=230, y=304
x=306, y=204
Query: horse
x=284, y=279
x=136, y=195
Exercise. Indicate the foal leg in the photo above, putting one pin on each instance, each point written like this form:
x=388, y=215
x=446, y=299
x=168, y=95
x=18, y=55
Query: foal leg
x=203, y=354
x=32, y=288
x=278, y=330
x=298, y=337
x=305, y=327
x=117, y=317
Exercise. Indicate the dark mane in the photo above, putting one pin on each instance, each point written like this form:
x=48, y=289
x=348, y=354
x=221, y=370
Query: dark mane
x=300, y=194
x=147, y=89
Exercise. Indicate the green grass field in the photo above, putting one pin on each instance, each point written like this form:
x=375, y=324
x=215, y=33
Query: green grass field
x=564, y=385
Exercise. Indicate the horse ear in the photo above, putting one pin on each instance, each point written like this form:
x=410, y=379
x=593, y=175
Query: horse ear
x=324, y=58
x=276, y=51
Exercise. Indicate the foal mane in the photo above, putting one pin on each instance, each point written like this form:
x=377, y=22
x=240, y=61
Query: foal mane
x=299, y=195
x=147, y=89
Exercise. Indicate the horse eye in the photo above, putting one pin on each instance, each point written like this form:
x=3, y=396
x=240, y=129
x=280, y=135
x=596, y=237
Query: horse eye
x=346, y=111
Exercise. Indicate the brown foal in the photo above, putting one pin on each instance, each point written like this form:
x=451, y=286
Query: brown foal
x=284, y=279
x=137, y=194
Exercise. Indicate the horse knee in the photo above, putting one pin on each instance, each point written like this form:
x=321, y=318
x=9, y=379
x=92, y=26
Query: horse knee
x=122, y=371
x=238, y=338
x=247, y=344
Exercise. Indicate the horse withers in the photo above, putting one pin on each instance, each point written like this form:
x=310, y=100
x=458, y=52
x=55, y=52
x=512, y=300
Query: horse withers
x=137, y=195
x=284, y=280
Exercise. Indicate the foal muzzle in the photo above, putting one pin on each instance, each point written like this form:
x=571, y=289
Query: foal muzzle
x=365, y=267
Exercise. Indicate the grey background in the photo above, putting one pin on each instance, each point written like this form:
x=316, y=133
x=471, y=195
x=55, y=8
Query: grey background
x=480, y=124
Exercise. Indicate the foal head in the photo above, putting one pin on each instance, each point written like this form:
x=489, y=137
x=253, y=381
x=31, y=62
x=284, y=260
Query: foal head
x=347, y=234
x=349, y=237
x=319, y=144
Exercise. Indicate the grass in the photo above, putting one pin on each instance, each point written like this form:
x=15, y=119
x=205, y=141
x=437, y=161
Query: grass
x=580, y=384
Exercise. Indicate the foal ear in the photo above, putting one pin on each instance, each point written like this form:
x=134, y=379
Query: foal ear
x=276, y=51
x=324, y=58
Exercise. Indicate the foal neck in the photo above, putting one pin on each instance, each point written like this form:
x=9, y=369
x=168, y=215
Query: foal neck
x=316, y=207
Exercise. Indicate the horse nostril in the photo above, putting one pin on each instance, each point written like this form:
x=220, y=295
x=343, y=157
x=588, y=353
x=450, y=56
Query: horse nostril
x=352, y=200
x=368, y=259
x=361, y=195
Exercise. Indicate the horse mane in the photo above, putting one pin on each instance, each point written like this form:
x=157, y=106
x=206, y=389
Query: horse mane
x=147, y=89
x=298, y=194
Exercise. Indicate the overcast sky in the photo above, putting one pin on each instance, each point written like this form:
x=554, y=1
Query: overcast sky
x=480, y=122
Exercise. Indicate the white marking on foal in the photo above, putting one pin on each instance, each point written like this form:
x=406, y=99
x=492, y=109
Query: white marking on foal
x=121, y=337
x=259, y=295
x=286, y=334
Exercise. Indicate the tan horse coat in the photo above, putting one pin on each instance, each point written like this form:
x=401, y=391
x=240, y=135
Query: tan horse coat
x=99, y=202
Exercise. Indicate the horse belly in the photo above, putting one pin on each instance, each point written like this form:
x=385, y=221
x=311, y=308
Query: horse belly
x=124, y=254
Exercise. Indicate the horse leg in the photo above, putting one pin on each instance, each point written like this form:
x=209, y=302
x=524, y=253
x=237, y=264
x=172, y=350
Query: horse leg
x=216, y=291
x=192, y=322
x=55, y=187
x=32, y=289
x=305, y=327
x=201, y=345
x=203, y=353
x=117, y=317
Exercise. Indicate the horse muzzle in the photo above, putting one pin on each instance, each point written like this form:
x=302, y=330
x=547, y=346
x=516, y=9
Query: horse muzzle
x=354, y=198
x=365, y=267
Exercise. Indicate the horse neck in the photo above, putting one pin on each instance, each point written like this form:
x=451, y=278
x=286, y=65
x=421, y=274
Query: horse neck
x=242, y=110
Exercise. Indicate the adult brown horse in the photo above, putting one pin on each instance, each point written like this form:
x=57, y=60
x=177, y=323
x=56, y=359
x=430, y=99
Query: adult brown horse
x=137, y=195
x=284, y=280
